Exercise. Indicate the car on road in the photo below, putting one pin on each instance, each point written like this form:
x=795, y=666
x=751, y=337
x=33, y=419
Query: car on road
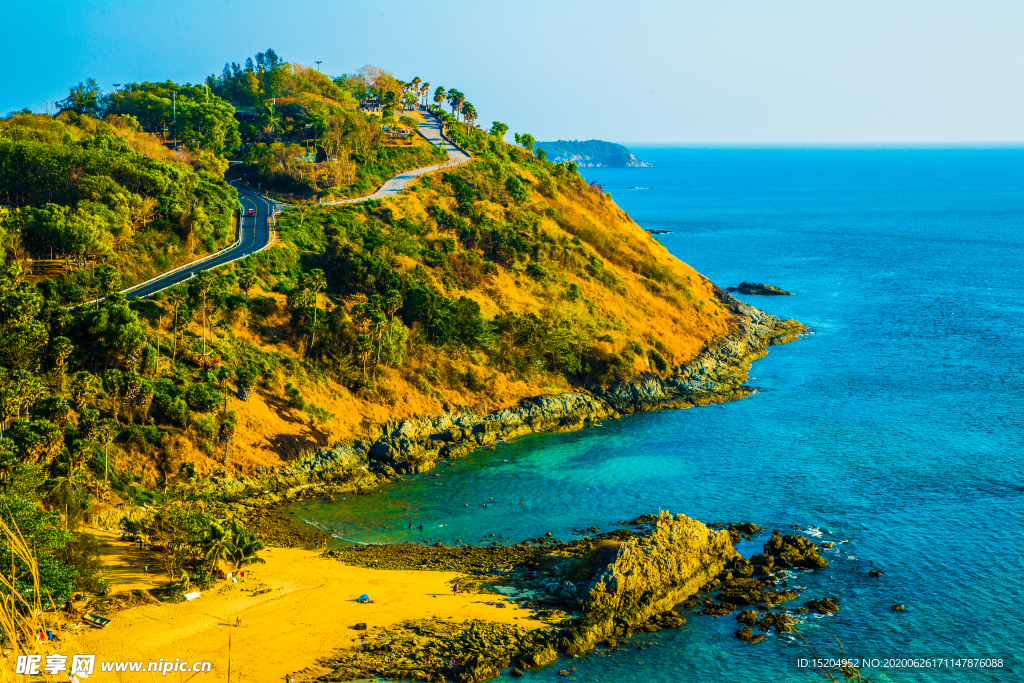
x=252, y=212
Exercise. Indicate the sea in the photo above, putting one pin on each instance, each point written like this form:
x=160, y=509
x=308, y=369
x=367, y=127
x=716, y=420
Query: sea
x=893, y=430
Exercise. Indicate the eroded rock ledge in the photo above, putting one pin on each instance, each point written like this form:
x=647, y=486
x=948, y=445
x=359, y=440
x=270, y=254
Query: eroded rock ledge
x=714, y=376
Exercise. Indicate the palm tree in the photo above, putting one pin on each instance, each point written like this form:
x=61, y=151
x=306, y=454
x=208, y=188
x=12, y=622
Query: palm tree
x=204, y=282
x=469, y=114
x=244, y=545
x=84, y=388
x=439, y=95
x=246, y=281
x=216, y=544
x=316, y=282
x=176, y=299
x=60, y=349
x=424, y=91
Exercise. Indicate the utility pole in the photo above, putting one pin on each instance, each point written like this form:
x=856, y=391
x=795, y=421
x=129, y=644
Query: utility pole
x=174, y=116
x=318, y=62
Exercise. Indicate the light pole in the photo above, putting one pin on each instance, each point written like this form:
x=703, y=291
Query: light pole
x=318, y=62
x=174, y=116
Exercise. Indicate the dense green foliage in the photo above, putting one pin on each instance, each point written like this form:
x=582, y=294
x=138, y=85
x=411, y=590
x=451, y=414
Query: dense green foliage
x=78, y=187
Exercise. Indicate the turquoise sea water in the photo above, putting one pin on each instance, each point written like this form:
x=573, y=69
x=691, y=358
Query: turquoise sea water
x=896, y=426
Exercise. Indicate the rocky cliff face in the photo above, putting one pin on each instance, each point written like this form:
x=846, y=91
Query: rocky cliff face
x=409, y=446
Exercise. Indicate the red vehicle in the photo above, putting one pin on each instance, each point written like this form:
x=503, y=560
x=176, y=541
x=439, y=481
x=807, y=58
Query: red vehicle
x=252, y=212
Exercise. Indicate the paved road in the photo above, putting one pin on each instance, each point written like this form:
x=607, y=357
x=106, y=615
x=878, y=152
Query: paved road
x=430, y=128
x=255, y=235
x=256, y=231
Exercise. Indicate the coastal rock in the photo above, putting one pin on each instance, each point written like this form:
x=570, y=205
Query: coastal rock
x=745, y=633
x=539, y=656
x=516, y=673
x=647, y=577
x=792, y=550
x=748, y=617
x=757, y=288
x=875, y=573
x=782, y=623
x=824, y=605
x=897, y=608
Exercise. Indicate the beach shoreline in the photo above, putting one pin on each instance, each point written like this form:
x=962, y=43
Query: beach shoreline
x=297, y=608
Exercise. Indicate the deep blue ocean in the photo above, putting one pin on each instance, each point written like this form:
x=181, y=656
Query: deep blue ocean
x=893, y=430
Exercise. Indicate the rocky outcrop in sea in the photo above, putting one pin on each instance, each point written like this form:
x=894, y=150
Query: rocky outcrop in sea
x=757, y=288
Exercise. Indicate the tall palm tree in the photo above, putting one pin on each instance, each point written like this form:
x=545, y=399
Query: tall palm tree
x=61, y=349
x=439, y=95
x=204, y=282
x=469, y=114
x=176, y=299
x=316, y=282
x=424, y=91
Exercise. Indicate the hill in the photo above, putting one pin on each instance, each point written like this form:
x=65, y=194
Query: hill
x=487, y=299
x=591, y=153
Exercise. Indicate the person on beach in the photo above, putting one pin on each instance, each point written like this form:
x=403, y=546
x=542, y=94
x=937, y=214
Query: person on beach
x=420, y=527
x=455, y=588
x=238, y=622
x=410, y=526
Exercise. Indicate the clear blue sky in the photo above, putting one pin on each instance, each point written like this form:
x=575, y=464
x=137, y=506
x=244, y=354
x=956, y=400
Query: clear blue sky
x=718, y=71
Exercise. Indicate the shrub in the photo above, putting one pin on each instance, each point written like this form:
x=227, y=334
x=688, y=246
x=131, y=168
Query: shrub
x=202, y=397
x=177, y=412
x=205, y=426
x=657, y=360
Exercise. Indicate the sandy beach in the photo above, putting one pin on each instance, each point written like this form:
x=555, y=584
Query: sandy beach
x=294, y=609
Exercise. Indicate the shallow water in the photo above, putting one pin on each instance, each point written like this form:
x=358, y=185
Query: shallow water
x=895, y=426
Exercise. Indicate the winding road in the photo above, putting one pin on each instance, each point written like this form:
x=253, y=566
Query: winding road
x=256, y=232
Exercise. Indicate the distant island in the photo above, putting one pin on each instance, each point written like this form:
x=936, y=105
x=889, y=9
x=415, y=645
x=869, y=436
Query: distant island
x=592, y=154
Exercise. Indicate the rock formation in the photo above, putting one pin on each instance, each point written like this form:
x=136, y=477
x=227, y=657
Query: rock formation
x=760, y=289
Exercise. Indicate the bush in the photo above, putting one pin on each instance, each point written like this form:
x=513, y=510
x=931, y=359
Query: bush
x=294, y=396
x=537, y=271
x=202, y=397
x=657, y=360
x=177, y=412
x=205, y=426
x=83, y=553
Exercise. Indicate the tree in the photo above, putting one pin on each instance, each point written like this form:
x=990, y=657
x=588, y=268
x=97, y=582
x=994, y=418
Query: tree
x=84, y=389
x=439, y=95
x=515, y=188
x=528, y=141
x=246, y=281
x=498, y=130
x=177, y=300
x=203, y=283
x=313, y=283
x=424, y=91
x=469, y=114
x=60, y=349
x=83, y=98
x=244, y=545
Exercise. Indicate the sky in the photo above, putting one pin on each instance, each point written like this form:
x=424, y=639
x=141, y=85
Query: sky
x=711, y=72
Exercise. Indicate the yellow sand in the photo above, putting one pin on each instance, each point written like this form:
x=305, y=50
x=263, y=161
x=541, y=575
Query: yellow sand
x=307, y=613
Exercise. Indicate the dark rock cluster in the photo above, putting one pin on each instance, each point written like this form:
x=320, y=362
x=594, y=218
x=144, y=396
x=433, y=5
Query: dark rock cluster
x=756, y=288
